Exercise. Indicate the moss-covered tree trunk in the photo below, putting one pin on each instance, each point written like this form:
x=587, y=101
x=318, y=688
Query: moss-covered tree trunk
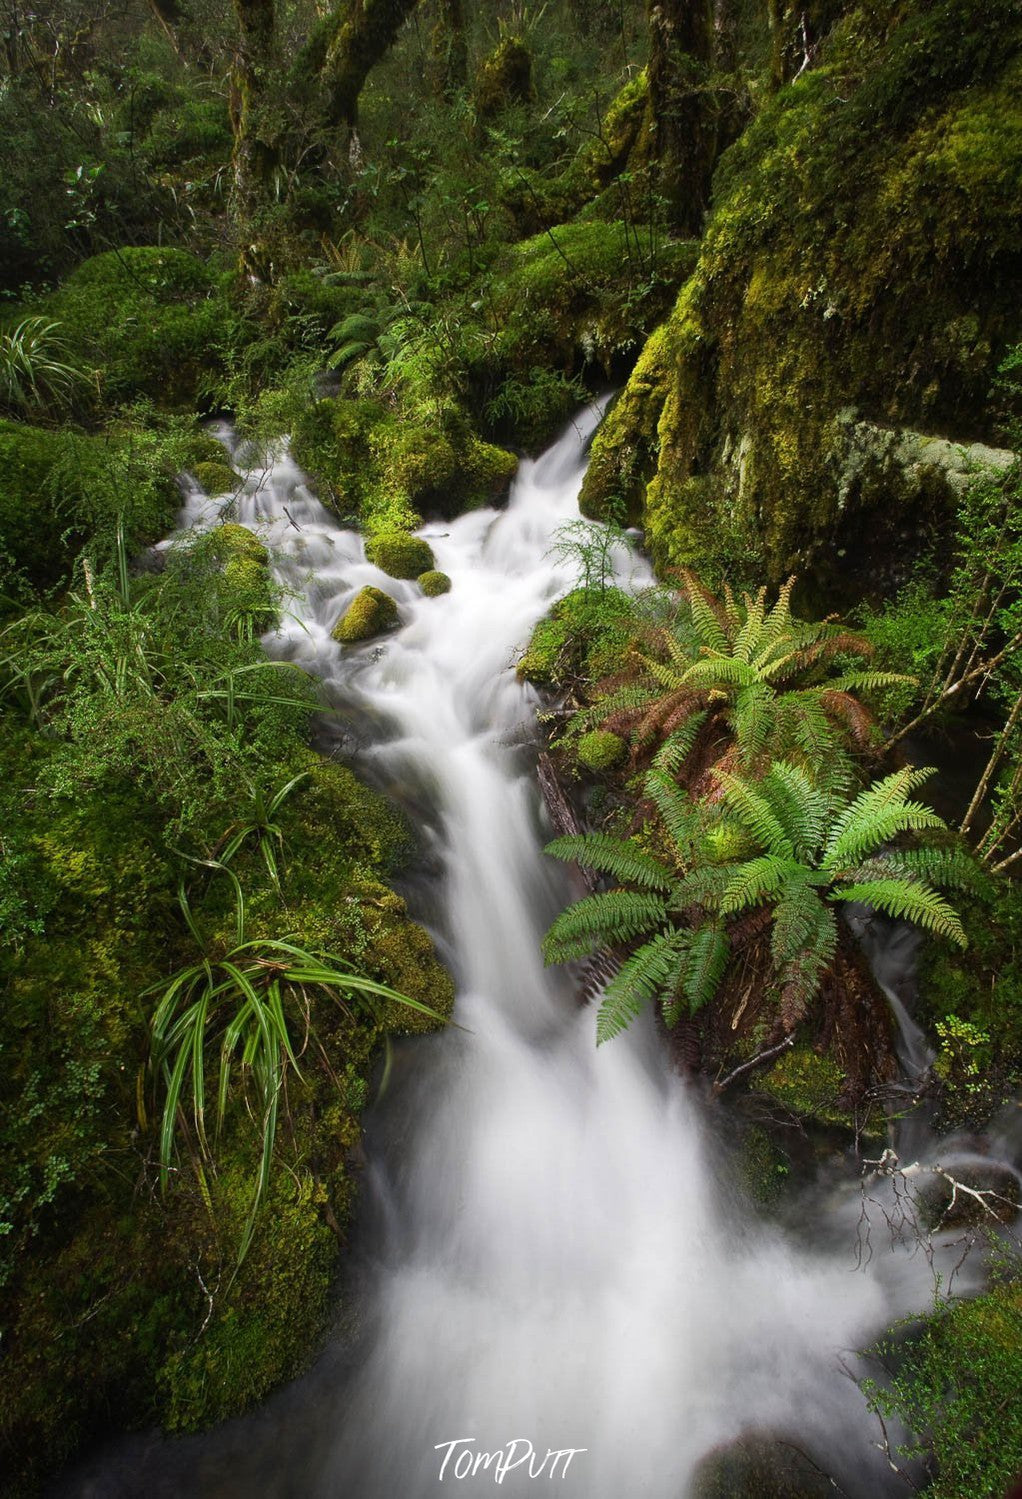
x=256, y=146
x=681, y=113
x=449, y=49
x=344, y=50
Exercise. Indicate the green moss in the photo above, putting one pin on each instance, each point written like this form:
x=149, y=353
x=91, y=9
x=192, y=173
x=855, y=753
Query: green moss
x=584, y=293
x=808, y=1084
x=399, y=555
x=859, y=254
x=584, y=636
x=600, y=750
x=370, y=613
x=217, y=478
x=434, y=583
x=151, y=321
x=386, y=468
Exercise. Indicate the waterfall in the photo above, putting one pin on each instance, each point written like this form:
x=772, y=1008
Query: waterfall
x=552, y=1252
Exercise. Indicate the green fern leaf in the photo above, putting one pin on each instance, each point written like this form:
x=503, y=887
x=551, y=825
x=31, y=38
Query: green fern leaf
x=752, y=807
x=704, y=966
x=908, y=901
x=614, y=856
x=652, y=972
x=606, y=919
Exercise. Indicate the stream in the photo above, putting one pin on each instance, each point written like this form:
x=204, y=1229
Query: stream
x=552, y=1249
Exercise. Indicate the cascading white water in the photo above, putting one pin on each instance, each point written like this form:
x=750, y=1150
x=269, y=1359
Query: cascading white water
x=556, y=1257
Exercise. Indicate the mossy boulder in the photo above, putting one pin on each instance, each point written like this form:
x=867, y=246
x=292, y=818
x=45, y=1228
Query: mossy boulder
x=400, y=555
x=386, y=469
x=760, y=1465
x=583, y=638
x=599, y=750
x=862, y=253
x=584, y=293
x=370, y=613
x=434, y=583
x=217, y=478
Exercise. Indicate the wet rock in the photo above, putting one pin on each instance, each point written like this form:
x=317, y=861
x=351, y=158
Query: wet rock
x=434, y=583
x=370, y=613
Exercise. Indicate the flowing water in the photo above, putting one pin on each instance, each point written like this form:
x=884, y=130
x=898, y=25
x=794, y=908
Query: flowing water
x=551, y=1251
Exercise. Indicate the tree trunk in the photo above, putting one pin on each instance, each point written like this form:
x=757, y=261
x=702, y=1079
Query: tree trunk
x=354, y=39
x=448, y=48
x=256, y=149
x=681, y=112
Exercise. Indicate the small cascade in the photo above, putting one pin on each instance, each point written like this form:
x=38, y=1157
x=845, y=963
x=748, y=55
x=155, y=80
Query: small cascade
x=551, y=1253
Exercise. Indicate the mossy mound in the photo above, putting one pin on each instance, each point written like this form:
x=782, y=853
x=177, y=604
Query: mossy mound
x=151, y=321
x=371, y=612
x=399, y=555
x=244, y=560
x=386, y=469
x=862, y=252
x=760, y=1465
x=434, y=583
x=585, y=293
x=87, y=1260
x=584, y=637
x=600, y=750
x=217, y=478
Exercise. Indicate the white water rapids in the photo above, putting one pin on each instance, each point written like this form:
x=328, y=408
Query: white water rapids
x=552, y=1251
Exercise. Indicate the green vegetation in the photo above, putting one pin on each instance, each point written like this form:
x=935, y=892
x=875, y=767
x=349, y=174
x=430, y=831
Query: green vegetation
x=434, y=583
x=370, y=612
x=416, y=238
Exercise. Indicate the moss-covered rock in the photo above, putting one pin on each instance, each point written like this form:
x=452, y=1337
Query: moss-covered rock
x=434, y=583
x=862, y=252
x=809, y=1083
x=217, y=478
x=399, y=555
x=386, y=469
x=760, y=1465
x=371, y=612
x=600, y=750
x=584, y=636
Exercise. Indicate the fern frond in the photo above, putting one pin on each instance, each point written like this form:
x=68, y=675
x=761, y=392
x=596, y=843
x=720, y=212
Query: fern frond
x=754, y=811
x=868, y=681
x=708, y=617
x=908, y=900
x=753, y=718
x=603, y=920
x=803, y=970
x=653, y=971
x=614, y=856
x=677, y=812
x=677, y=747
x=755, y=880
x=850, y=837
x=705, y=963
x=750, y=634
x=954, y=868
x=715, y=671
x=777, y=624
